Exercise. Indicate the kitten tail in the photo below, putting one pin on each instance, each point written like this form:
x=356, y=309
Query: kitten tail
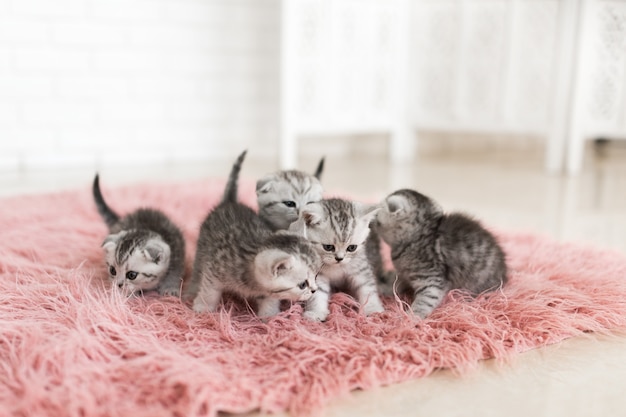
x=320, y=168
x=108, y=215
x=230, y=193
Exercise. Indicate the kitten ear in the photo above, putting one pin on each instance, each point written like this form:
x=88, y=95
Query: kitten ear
x=156, y=251
x=273, y=262
x=111, y=241
x=396, y=204
x=312, y=214
x=298, y=228
x=264, y=185
x=282, y=264
x=366, y=211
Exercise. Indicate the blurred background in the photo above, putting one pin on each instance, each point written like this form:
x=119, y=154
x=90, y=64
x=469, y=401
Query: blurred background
x=491, y=106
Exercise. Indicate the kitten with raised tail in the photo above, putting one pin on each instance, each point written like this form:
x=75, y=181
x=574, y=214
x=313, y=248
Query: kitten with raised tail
x=338, y=229
x=238, y=253
x=282, y=195
x=434, y=252
x=144, y=250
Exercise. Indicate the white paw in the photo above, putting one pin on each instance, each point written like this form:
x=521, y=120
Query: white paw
x=316, y=315
x=199, y=306
x=169, y=292
x=268, y=308
x=371, y=308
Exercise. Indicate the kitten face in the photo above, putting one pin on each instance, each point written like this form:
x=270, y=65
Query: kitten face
x=136, y=260
x=285, y=276
x=338, y=229
x=282, y=196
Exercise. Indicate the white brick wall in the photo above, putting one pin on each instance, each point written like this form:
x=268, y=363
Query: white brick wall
x=95, y=82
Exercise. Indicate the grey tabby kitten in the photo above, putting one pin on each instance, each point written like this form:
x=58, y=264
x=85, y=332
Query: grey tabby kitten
x=338, y=229
x=281, y=195
x=434, y=252
x=144, y=250
x=238, y=253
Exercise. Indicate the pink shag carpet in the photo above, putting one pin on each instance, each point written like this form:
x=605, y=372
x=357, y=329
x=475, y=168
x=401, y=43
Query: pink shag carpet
x=71, y=347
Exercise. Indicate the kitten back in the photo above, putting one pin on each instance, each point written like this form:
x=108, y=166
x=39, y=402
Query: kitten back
x=107, y=214
x=230, y=192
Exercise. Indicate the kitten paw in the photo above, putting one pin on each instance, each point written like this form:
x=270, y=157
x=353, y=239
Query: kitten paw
x=421, y=312
x=316, y=315
x=169, y=292
x=372, y=308
x=201, y=307
x=268, y=307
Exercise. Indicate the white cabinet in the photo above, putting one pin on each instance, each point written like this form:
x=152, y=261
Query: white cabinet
x=344, y=69
x=600, y=84
x=549, y=68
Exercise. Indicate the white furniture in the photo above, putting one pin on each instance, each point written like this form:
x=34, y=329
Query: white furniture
x=499, y=66
x=344, y=70
x=599, y=106
x=487, y=66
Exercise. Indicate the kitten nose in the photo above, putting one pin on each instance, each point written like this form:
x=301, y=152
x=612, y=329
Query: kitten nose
x=120, y=285
x=338, y=259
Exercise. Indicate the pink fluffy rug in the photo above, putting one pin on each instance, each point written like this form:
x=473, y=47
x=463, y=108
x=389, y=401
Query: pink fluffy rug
x=71, y=347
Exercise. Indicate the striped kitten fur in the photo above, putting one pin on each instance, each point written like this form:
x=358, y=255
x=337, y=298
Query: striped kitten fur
x=144, y=250
x=338, y=229
x=434, y=252
x=282, y=195
x=238, y=253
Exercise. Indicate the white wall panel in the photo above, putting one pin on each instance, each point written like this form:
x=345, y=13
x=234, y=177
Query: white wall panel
x=91, y=82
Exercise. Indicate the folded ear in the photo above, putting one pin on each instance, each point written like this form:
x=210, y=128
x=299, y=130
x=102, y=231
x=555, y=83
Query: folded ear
x=298, y=228
x=156, y=251
x=397, y=203
x=273, y=262
x=110, y=242
x=312, y=214
x=281, y=264
x=264, y=185
x=366, y=212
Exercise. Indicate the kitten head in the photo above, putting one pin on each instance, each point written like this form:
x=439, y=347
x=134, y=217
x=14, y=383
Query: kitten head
x=288, y=272
x=338, y=228
x=405, y=212
x=136, y=259
x=282, y=195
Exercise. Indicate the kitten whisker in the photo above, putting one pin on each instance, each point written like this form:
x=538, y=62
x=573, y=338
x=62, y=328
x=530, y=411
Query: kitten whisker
x=281, y=290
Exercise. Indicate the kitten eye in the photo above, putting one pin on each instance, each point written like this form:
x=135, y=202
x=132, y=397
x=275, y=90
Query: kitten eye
x=290, y=204
x=329, y=248
x=131, y=275
x=112, y=271
x=351, y=248
x=303, y=285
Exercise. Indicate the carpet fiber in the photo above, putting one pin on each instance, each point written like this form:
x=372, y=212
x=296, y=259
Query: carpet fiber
x=71, y=347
